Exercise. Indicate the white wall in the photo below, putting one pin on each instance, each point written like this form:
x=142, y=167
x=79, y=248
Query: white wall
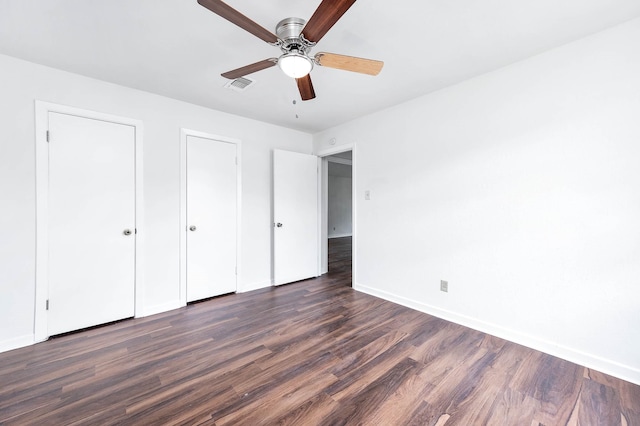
x=339, y=205
x=22, y=82
x=520, y=187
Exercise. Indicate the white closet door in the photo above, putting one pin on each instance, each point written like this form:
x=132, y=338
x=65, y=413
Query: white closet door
x=295, y=192
x=211, y=218
x=91, y=222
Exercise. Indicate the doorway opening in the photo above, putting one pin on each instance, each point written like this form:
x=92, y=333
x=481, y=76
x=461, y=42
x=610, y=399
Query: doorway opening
x=338, y=213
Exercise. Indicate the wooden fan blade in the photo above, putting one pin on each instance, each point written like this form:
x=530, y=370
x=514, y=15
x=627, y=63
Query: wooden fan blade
x=324, y=17
x=248, y=69
x=230, y=14
x=306, y=88
x=349, y=63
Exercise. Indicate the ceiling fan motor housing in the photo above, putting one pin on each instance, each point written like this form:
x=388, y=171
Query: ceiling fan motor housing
x=288, y=30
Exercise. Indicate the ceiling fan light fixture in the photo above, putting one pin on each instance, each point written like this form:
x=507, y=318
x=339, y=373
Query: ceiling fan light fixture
x=295, y=38
x=295, y=65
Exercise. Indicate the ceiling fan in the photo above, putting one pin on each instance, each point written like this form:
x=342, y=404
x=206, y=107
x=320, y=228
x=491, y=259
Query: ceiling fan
x=296, y=38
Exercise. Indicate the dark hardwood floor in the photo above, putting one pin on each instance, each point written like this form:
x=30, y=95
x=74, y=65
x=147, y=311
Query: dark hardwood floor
x=340, y=257
x=313, y=352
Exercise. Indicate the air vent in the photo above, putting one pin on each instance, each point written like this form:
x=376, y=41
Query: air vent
x=240, y=84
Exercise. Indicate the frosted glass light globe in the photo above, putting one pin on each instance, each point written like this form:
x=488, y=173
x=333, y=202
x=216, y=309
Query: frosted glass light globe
x=295, y=65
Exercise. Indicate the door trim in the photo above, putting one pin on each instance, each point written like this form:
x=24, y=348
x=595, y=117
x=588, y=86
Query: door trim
x=42, y=110
x=323, y=207
x=184, y=133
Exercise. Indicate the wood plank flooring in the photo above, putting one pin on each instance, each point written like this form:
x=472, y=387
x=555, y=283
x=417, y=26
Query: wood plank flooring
x=340, y=256
x=310, y=353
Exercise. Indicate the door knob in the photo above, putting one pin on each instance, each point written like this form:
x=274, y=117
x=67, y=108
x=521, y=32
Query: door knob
x=127, y=232
x=192, y=228
x=279, y=225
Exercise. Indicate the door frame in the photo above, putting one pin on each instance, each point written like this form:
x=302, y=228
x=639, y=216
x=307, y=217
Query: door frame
x=323, y=183
x=184, y=133
x=42, y=110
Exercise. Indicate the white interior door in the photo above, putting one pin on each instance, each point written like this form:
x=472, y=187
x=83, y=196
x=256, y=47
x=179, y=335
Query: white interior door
x=211, y=218
x=91, y=222
x=295, y=193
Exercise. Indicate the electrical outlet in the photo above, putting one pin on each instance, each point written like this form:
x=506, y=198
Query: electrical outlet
x=444, y=286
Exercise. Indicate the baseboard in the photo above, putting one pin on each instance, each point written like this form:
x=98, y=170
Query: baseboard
x=16, y=342
x=157, y=309
x=254, y=286
x=340, y=235
x=591, y=361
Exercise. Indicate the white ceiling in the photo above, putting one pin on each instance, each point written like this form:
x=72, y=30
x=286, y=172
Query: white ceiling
x=178, y=49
